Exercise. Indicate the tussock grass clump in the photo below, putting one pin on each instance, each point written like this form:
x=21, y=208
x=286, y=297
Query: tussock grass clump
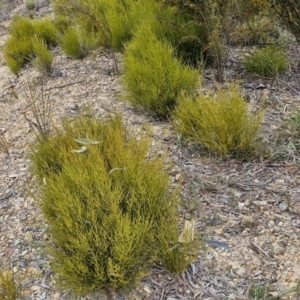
x=43, y=57
x=30, y=4
x=10, y=289
x=154, y=78
x=220, y=122
x=18, y=51
x=109, y=206
x=25, y=43
x=114, y=21
x=269, y=62
x=77, y=43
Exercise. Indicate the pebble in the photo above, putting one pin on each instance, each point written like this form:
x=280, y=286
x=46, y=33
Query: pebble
x=282, y=206
x=28, y=236
x=247, y=221
x=260, y=203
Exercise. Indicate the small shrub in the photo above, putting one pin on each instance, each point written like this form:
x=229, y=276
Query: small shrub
x=44, y=29
x=43, y=57
x=17, y=52
x=219, y=122
x=154, y=78
x=25, y=33
x=107, y=204
x=30, y=4
x=62, y=24
x=21, y=27
x=10, y=288
x=77, y=43
x=269, y=62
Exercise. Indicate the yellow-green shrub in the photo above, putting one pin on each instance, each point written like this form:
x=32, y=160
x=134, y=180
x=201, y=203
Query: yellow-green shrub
x=220, y=122
x=24, y=34
x=115, y=21
x=77, y=43
x=10, y=288
x=154, y=78
x=17, y=52
x=106, y=205
x=43, y=57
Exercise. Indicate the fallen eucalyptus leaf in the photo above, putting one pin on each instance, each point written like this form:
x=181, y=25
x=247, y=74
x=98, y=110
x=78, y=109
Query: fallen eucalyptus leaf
x=82, y=149
x=188, y=233
x=86, y=141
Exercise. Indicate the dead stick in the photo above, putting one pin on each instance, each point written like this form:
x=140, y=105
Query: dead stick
x=64, y=85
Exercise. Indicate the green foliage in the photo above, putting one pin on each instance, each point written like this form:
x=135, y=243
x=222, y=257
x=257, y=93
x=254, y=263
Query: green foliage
x=115, y=21
x=186, y=35
x=28, y=39
x=30, y=4
x=43, y=57
x=61, y=23
x=17, y=52
x=270, y=61
x=154, y=78
x=77, y=43
x=106, y=206
x=219, y=122
x=10, y=289
x=259, y=29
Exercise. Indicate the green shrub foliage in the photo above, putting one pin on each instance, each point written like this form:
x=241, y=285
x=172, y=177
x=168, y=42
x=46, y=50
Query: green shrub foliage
x=269, y=62
x=21, y=47
x=219, y=122
x=154, y=78
x=108, y=204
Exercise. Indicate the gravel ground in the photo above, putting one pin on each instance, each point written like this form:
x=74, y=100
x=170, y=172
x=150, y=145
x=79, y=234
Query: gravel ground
x=247, y=213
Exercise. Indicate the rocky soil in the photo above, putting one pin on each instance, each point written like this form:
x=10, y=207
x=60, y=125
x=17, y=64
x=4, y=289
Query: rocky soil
x=246, y=212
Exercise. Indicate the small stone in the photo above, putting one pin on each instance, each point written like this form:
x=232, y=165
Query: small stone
x=147, y=289
x=187, y=216
x=28, y=236
x=282, y=206
x=231, y=297
x=247, y=202
x=36, y=289
x=248, y=221
x=24, y=252
x=56, y=296
x=241, y=271
x=241, y=205
x=23, y=216
x=271, y=224
x=260, y=203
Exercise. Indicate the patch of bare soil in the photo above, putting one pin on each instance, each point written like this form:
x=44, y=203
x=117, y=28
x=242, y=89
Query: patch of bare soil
x=247, y=212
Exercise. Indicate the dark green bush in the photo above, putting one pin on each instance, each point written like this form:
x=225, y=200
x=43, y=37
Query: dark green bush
x=109, y=206
x=154, y=78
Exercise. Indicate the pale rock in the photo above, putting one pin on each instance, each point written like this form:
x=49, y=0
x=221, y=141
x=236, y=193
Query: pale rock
x=28, y=237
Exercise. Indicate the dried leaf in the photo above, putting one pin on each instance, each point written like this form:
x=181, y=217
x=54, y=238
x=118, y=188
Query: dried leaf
x=86, y=141
x=188, y=233
x=82, y=149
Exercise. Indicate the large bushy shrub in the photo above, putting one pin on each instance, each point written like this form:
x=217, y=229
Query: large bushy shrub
x=109, y=206
x=154, y=78
x=219, y=122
